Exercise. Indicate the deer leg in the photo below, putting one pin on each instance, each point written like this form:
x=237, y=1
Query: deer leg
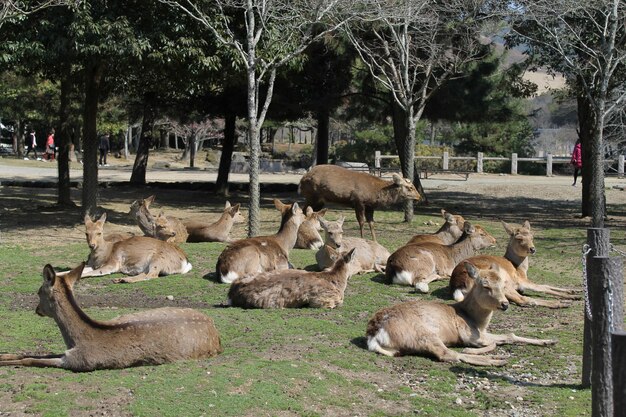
x=509, y=339
x=359, y=210
x=87, y=269
x=54, y=361
x=523, y=301
x=445, y=354
x=547, y=289
x=369, y=217
x=144, y=276
x=485, y=349
x=105, y=269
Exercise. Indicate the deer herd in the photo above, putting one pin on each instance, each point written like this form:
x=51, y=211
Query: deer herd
x=260, y=276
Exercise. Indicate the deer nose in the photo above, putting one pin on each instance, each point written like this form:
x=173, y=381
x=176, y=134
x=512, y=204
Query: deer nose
x=504, y=306
x=533, y=250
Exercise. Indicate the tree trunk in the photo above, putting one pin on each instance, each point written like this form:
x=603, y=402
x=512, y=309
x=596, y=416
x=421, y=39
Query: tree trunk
x=226, y=158
x=138, y=177
x=165, y=139
x=64, y=141
x=192, y=150
x=323, y=132
x=586, y=121
x=93, y=77
x=254, y=215
x=18, y=139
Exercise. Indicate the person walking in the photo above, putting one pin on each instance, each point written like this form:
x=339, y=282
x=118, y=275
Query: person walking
x=104, y=147
x=577, y=160
x=50, y=148
x=32, y=144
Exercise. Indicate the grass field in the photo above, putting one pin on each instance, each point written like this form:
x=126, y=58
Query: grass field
x=304, y=362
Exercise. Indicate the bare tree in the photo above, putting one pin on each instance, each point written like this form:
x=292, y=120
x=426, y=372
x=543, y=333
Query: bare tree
x=194, y=133
x=274, y=32
x=412, y=47
x=10, y=9
x=585, y=42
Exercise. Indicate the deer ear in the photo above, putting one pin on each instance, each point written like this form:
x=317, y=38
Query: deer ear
x=295, y=209
x=468, y=228
x=397, y=179
x=149, y=200
x=309, y=211
x=49, y=275
x=278, y=204
x=348, y=257
x=75, y=273
x=322, y=212
x=449, y=217
x=88, y=219
x=227, y=205
x=508, y=228
x=471, y=271
x=234, y=209
x=526, y=224
x=341, y=220
x=102, y=218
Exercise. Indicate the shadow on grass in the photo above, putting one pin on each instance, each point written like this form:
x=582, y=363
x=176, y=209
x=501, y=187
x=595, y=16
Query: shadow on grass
x=360, y=342
x=492, y=376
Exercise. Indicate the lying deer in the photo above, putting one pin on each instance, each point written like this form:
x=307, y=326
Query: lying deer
x=361, y=191
x=294, y=288
x=169, y=228
x=447, y=234
x=371, y=256
x=262, y=253
x=141, y=257
x=308, y=235
x=217, y=231
x=429, y=328
x=150, y=337
x=420, y=264
x=514, y=267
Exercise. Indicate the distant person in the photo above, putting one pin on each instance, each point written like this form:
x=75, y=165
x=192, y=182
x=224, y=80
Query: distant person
x=104, y=147
x=31, y=143
x=577, y=160
x=50, y=148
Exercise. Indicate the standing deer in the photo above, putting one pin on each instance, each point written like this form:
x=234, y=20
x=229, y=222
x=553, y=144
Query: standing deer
x=169, y=228
x=294, y=288
x=150, y=337
x=217, y=231
x=254, y=255
x=361, y=191
x=141, y=257
x=371, y=256
x=420, y=264
x=514, y=268
x=430, y=328
x=447, y=234
x=308, y=235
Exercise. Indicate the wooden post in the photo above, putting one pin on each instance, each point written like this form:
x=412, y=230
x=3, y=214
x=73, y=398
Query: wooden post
x=479, y=162
x=618, y=350
x=514, y=164
x=549, y=165
x=377, y=163
x=446, y=160
x=620, y=166
x=605, y=273
x=598, y=240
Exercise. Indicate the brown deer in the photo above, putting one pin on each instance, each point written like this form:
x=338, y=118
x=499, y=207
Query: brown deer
x=430, y=328
x=447, y=234
x=218, y=231
x=420, y=264
x=514, y=268
x=150, y=337
x=141, y=257
x=294, y=288
x=254, y=255
x=359, y=190
x=371, y=256
x=308, y=235
x=169, y=228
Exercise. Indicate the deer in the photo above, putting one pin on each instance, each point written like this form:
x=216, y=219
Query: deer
x=141, y=257
x=419, y=264
x=294, y=288
x=308, y=235
x=514, y=268
x=371, y=256
x=447, y=234
x=431, y=328
x=254, y=255
x=169, y=229
x=361, y=191
x=217, y=231
x=150, y=337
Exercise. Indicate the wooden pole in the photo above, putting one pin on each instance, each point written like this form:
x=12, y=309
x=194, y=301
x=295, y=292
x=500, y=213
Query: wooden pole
x=618, y=350
x=605, y=274
x=598, y=240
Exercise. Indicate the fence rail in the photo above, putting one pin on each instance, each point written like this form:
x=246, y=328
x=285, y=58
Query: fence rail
x=549, y=160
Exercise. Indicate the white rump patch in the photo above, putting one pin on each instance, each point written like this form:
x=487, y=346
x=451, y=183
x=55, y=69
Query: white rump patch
x=263, y=243
x=422, y=287
x=186, y=267
x=403, y=278
x=376, y=343
x=458, y=295
x=229, y=277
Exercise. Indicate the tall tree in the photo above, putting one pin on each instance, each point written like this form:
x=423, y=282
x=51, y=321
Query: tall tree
x=584, y=41
x=265, y=35
x=15, y=9
x=412, y=48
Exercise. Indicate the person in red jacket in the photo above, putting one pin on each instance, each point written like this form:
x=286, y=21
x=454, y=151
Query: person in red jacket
x=50, y=149
x=577, y=160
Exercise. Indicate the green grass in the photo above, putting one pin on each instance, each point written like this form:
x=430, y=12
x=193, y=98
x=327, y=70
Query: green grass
x=294, y=362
